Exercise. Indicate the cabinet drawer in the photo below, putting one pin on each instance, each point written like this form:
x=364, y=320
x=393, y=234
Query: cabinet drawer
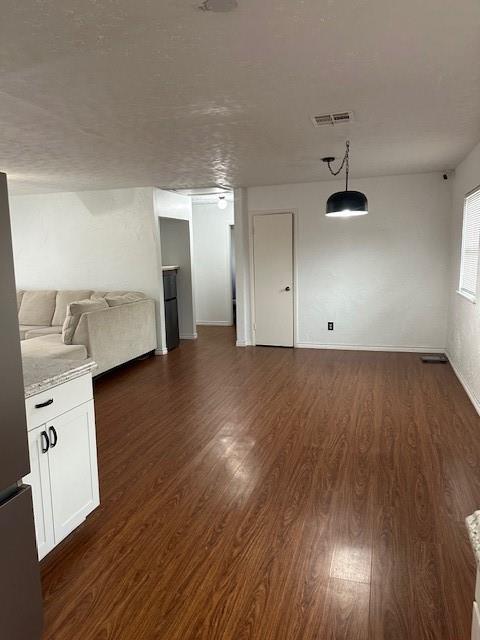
x=58, y=400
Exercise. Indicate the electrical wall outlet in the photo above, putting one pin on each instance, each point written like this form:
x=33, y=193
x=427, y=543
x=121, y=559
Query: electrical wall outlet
x=330, y=326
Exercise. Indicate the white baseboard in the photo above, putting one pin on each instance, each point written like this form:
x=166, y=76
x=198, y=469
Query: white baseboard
x=243, y=343
x=366, y=347
x=468, y=390
x=161, y=352
x=215, y=323
x=188, y=336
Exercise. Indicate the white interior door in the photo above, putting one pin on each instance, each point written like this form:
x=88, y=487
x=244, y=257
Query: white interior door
x=273, y=279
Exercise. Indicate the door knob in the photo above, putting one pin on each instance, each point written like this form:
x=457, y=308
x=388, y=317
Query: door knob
x=287, y=288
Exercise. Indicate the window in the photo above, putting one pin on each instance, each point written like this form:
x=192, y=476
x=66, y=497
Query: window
x=470, y=245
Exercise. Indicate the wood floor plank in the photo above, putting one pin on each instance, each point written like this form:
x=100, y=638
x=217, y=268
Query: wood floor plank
x=274, y=494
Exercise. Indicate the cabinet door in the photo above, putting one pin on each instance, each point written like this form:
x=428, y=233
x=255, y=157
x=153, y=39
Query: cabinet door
x=39, y=480
x=73, y=468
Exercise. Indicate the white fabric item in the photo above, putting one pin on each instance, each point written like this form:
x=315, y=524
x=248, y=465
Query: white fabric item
x=74, y=312
x=26, y=328
x=118, y=334
x=126, y=298
x=109, y=335
x=52, y=346
x=42, y=331
x=37, y=308
x=63, y=299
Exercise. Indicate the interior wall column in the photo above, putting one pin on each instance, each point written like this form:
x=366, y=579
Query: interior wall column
x=242, y=276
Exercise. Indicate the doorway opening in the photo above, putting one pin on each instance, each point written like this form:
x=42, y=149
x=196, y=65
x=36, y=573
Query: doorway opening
x=214, y=259
x=175, y=239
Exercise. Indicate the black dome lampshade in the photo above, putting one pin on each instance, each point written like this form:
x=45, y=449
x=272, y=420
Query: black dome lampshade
x=345, y=204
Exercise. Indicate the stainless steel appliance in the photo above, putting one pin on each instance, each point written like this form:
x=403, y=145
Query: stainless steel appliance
x=20, y=591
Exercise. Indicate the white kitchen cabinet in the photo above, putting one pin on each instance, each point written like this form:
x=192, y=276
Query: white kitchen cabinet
x=39, y=479
x=73, y=469
x=64, y=475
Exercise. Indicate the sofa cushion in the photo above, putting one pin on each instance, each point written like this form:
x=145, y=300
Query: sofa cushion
x=122, y=293
x=42, y=331
x=52, y=346
x=126, y=298
x=37, y=308
x=26, y=328
x=98, y=294
x=75, y=311
x=19, y=298
x=63, y=299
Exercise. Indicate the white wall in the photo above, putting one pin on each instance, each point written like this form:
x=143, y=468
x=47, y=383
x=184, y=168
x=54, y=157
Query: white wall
x=104, y=240
x=212, y=268
x=381, y=278
x=464, y=316
x=172, y=205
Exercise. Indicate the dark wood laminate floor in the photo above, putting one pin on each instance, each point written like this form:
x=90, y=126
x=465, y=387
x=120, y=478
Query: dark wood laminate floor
x=274, y=494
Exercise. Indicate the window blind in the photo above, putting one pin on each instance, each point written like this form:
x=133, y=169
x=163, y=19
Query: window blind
x=470, y=244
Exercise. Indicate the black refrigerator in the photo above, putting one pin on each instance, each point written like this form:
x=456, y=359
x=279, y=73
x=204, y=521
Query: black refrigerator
x=172, y=330
x=20, y=592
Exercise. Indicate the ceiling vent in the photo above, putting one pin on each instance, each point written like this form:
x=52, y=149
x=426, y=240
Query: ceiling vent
x=332, y=118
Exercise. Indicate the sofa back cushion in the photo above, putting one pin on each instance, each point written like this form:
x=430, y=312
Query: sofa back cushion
x=64, y=298
x=37, y=307
x=75, y=310
x=115, y=300
x=19, y=298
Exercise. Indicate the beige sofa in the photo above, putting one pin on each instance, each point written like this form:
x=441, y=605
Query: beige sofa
x=123, y=330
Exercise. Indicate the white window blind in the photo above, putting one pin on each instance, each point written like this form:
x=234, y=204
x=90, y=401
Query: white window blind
x=470, y=245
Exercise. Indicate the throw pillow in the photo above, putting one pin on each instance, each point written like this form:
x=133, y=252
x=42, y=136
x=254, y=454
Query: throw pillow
x=126, y=298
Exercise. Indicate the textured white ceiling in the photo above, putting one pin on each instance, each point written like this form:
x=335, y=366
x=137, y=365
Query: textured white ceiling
x=112, y=93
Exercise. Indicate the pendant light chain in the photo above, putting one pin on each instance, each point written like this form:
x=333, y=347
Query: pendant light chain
x=345, y=163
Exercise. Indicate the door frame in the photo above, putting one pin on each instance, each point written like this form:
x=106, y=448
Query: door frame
x=266, y=212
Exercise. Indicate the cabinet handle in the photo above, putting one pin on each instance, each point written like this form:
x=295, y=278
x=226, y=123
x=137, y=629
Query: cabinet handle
x=54, y=440
x=45, y=442
x=44, y=404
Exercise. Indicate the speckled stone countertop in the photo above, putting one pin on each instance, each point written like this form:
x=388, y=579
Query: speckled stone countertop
x=40, y=374
x=473, y=528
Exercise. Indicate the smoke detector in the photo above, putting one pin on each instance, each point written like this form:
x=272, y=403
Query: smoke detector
x=219, y=6
x=332, y=118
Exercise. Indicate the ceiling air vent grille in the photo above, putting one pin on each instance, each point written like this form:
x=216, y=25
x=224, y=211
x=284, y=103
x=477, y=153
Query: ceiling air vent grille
x=332, y=118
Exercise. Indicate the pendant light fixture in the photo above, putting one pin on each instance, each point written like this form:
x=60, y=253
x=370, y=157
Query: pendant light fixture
x=345, y=204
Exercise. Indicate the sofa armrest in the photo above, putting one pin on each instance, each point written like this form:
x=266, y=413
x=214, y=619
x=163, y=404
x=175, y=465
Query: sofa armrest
x=118, y=334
